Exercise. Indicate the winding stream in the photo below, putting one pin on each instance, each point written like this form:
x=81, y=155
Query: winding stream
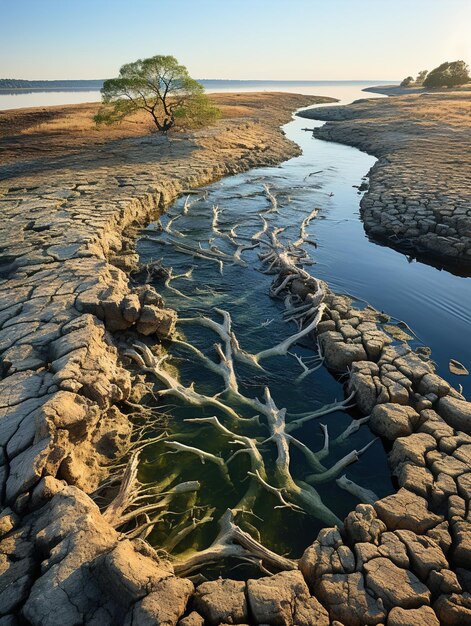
x=324, y=177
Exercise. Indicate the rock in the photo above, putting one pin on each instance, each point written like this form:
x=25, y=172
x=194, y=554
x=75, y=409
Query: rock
x=433, y=424
x=310, y=612
x=394, y=549
x=26, y=468
x=222, y=601
x=456, y=413
x=394, y=585
x=457, y=368
x=348, y=600
x=364, y=382
x=364, y=552
x=454, y=609
x=154, y=320
x=424, y=616
x=131, y=307
x=414, y=478
x=441, y=536
x=444, y=581
x=412, y=448
x=322, y=556
x=431, y=383
x=8, y=521
x=128, y=575
x=363, y=525
x=393, y=420
x=113, y=315
x=461, y=553
x=15, y=582
x=325, y=325
x=45, y=490
x=464, y=485
x=164, y=605
x=340, y=355
x=274, y=600
x=424, y=553
x=405, y=510
x=193, y=619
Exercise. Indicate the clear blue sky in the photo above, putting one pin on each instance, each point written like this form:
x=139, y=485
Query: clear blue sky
x=244, y=39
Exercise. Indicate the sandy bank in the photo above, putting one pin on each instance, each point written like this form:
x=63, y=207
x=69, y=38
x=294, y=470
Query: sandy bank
x=419, y=196
x=397, y=90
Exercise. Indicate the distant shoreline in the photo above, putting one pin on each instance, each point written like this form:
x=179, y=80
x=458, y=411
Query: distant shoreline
x=13, y=86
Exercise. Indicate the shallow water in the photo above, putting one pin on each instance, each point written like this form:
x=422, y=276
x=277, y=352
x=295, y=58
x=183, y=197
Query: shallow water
x=324, y=177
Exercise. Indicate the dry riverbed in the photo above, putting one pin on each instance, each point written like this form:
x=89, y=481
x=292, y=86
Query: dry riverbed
x=72, y=201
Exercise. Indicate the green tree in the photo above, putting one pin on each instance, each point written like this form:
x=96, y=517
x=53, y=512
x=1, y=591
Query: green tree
x=160, y=86
x=449, y=74
x=407, y=82
x=421, y=77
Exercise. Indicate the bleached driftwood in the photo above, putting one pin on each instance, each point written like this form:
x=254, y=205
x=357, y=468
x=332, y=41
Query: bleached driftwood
x=366, y=496
x=232, y=542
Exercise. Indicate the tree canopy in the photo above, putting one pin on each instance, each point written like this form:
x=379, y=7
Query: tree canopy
x=408, y=81
x=160, y=86
x=449, y=74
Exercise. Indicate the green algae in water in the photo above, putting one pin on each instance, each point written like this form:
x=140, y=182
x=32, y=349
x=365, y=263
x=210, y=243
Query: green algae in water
x=258, y=324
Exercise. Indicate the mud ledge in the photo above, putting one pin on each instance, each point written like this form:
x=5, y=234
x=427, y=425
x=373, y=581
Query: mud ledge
x=418, y=199
x=60, y=422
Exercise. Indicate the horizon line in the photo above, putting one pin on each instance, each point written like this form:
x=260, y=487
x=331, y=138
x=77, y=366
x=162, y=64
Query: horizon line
x=245, y=80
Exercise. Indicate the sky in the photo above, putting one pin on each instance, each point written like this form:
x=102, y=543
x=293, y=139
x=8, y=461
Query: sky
x=234, y=39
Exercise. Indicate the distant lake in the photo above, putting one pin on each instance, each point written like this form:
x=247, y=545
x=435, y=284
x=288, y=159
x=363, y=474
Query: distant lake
x=21, y=98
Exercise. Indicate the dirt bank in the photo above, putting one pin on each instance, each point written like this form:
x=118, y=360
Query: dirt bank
x=419, y=196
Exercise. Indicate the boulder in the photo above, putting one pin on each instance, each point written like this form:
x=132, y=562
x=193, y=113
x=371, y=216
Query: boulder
x=412, y=448
x=8, y=521
x=424, y=616
x=222, y=601
x=453, y=609
x=131, y=307
x=444, y=581
x=322, y=557
x=283, y=599
x=456, y=413
x=424, y=553
x=363, y=525
x=338, y=354
x=348, y=600
x=364, y=382
x=394, y=585
x=128, y=575
x=193, y=619
x=461, y=553
x=393, y=420
x=164, y=605
x=394, y=549
x=405, y=510
x=154, y=320
x=415, y=478
x=431, y=383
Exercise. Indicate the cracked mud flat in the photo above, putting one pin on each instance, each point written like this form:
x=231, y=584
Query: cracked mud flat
x=404, y=560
